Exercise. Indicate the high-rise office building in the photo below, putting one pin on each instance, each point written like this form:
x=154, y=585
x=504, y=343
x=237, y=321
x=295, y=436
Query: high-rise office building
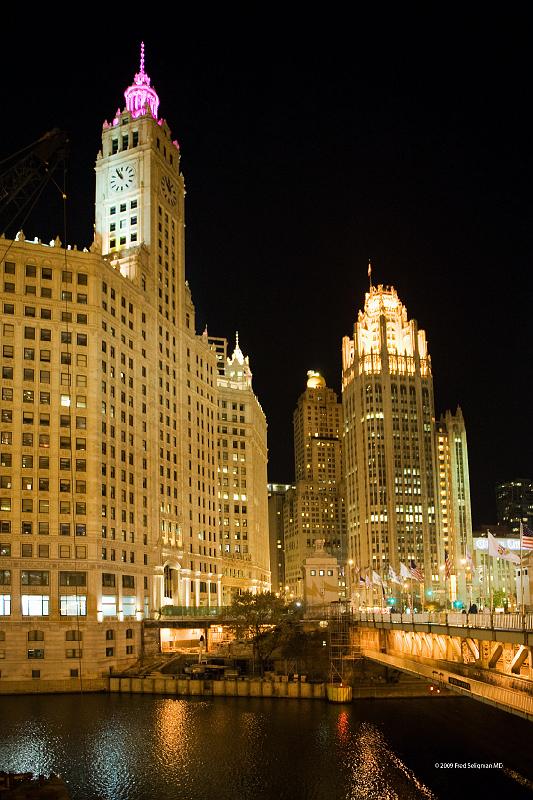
x=314, y=508
x=110, y=402
x=242, y=478
x=276, y=499
x=514, y=503
x=389, y=439
x=453, y=507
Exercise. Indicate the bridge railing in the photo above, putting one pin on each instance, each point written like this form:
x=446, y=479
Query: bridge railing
x=492, y=621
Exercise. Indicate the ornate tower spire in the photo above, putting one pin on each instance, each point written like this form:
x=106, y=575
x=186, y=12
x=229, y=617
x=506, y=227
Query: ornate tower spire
x=140, y=96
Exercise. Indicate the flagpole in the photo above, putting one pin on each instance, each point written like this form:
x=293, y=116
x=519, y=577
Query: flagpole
x=490, y=582
x=521, y=571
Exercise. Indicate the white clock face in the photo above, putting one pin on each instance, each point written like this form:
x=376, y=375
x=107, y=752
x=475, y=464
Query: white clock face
x=122, y=178
x=168, y=190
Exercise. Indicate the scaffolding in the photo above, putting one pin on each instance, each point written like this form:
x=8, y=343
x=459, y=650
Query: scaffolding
x=344, y=648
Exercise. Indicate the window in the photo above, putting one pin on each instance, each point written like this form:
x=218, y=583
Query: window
x=5, y=549
x=5, y=577
x=108, y=579
x=5, y=605
x=34, y=578
x=36, y=653
x=35, y=605
x=128, y=582
x=26, y=550
x=129, y=606
x=73, y=605
x=73, y=653
x=73, y=636
x=35, y=636
x=109, y=605
x=73, y=579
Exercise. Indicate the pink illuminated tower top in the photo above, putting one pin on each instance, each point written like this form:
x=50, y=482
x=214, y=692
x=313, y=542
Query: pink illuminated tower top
x=141, y=94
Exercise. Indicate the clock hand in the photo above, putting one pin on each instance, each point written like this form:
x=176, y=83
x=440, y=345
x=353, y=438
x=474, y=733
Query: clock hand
x=119, y=173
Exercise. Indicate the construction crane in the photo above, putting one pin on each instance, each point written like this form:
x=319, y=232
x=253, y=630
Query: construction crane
x=24, y=175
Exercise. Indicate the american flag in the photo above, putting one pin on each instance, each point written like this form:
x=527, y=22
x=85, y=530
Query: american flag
x=447, y=564
x=527, y=538
x=415, y=572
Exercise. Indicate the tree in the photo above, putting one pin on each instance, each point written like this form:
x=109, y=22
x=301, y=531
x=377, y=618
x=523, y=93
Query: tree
x=260, y=619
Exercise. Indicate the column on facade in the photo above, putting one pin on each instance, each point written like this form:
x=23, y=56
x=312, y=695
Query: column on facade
x=158, y=587
x=197, y=589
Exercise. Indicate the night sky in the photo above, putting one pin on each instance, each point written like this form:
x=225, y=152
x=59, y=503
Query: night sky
x=311, y=143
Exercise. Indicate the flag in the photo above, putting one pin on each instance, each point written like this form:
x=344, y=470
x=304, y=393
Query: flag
x=447, y=564
x=404, y=572
x=498, y=551
x=393, y=578
x=469, y=561
x=526, y=541
x=415, y=572
x=376, y=578
x=368, y=582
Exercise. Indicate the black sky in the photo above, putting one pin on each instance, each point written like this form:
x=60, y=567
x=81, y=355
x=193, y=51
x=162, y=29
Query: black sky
x=311, y=143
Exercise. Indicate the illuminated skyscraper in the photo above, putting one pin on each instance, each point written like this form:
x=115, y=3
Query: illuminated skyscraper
x=314, y=507
x=514, y=503
x=109, y=459
x=242, y=478
x=454, y=514
x=388, y=439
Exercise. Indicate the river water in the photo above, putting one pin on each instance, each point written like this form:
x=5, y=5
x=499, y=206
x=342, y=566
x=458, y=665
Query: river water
x=135, y=747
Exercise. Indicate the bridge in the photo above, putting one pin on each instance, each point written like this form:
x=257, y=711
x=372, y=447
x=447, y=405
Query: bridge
x=487, y=657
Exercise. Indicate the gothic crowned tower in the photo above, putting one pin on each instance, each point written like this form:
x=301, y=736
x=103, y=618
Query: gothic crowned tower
x=389, y=447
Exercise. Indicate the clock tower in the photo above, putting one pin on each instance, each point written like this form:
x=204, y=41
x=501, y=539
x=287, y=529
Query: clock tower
x=139, y=194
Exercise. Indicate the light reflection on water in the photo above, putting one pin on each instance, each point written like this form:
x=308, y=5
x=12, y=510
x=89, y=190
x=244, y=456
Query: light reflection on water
x=141, y=747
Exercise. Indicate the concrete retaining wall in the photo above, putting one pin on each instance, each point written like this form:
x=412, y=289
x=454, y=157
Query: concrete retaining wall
x=225, y=688
x=44, y=686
